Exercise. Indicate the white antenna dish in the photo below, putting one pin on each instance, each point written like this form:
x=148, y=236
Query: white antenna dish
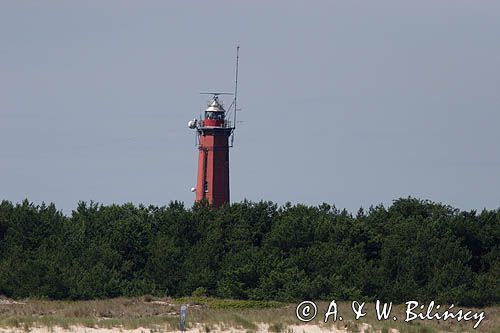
x=193, y=189
x=192, y=124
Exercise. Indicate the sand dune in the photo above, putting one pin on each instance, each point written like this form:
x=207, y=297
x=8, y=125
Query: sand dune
x=307, y=328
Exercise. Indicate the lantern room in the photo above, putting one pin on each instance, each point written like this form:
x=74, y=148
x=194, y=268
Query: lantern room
x=214, y=114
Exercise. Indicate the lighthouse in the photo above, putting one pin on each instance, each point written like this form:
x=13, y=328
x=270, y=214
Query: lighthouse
x=214, y=137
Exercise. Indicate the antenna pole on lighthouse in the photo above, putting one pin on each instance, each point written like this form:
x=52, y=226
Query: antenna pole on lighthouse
x=236, y=83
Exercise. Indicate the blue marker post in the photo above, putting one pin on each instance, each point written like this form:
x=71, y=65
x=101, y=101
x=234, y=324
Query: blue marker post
x=182, y=317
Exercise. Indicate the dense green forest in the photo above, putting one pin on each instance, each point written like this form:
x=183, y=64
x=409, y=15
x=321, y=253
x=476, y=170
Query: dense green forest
x=412, y=250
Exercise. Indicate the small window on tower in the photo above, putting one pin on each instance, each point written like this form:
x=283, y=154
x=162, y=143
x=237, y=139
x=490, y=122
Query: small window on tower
x=206, y=186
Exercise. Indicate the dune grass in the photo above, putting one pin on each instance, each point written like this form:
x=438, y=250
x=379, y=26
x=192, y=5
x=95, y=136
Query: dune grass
x=158, y=314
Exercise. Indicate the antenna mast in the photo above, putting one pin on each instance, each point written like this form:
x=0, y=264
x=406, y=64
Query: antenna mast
x=236, y=83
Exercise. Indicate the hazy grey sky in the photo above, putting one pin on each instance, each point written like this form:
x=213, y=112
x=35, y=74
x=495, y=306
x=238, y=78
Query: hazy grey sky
x=346, y=102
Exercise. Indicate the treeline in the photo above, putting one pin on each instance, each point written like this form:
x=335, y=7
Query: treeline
x=412, y=250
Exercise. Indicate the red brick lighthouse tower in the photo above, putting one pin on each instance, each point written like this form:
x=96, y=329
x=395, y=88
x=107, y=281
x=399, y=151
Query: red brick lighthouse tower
x=214, y=138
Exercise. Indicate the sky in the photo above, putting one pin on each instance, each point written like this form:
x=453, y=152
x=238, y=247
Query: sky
x=352, y=103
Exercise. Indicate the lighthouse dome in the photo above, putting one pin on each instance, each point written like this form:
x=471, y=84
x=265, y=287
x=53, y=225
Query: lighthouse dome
x=215, y=106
